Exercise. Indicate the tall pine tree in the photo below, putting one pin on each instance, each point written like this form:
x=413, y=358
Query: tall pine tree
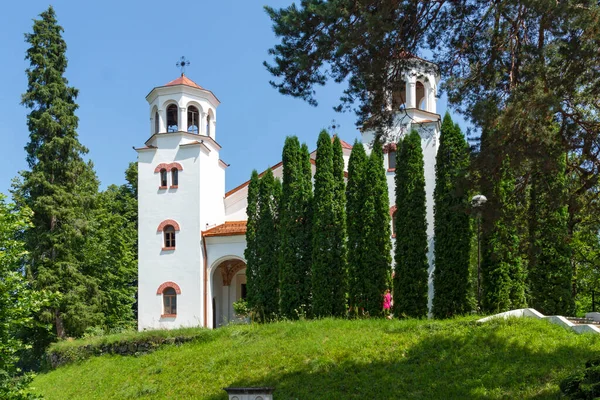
x=59, y=186
x=452, y=225
x=359, y=209
x=410, y=280
x=550, y=273
x=294, y=225
x=327, y=268
x=379, y=245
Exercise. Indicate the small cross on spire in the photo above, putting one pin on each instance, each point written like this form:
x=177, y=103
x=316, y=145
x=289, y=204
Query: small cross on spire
x=182, y=63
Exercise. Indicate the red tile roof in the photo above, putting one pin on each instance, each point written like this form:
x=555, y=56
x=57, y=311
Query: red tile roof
x=229, y=228
x=345, y=145
x=184, y=80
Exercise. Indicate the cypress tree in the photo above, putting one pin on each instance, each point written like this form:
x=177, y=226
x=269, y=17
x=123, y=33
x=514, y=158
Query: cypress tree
x=325, y=235
x=339, y=270
x=294, y=209
x=550, y=273
x=59, y=186
x=359, y=207
x=251, y=252
x=452, y=225
x=379, y=245
x=267, y=283
x=502, y=272
x=410, y=280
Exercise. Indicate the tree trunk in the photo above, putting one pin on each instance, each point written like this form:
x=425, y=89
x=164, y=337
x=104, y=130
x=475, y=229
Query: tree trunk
x=60, y=328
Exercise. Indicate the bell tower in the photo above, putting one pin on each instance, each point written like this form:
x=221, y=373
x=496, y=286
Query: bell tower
x=181, y=185
x=414, y=105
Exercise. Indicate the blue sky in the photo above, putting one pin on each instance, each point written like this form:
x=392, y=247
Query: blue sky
x=119, y=50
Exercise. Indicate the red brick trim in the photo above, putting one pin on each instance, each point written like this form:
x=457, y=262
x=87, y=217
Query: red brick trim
x=389, y=147
x=168, y=316
x=391, y=170
x=168, y=166
x=168, y=248
x=165, y=285
x=393, y=210
x=173, y=186
x=166, y=222
x=162, y=187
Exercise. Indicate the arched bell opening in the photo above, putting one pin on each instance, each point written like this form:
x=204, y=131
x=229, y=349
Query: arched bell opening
x=172, y=120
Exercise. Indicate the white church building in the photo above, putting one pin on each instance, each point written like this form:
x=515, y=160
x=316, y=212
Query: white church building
x=191, y=265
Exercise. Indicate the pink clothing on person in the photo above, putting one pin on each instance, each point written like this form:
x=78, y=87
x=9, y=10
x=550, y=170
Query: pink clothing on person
x=387, y=301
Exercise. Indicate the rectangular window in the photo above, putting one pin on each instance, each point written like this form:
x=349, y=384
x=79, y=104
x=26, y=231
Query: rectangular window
x=170, y=239
x=170, y=304
x=392, y=160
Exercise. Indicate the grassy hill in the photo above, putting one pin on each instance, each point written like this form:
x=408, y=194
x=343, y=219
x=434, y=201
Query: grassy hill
x=338, y=359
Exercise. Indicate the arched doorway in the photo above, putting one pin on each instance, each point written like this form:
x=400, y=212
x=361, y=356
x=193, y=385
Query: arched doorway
x=228, y=286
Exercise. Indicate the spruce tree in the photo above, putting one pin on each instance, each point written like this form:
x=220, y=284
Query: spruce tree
x=267, y=277
x=452, y=225
x=410, y=280
x=550, y=273
x=293, y=228
x=59, y=186
x=251, y=251
x=379, y=245
x=326, y=299
x=359, y=208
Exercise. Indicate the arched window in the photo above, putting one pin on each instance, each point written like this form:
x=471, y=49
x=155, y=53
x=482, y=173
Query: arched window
x=208, y=125
x=169, y=302
x=174, y=177
x=399, y=97
x=156, y=122
x=193, y=119
x=172, y=125
x=163, y=178
x=169, y=234
x=421, y=100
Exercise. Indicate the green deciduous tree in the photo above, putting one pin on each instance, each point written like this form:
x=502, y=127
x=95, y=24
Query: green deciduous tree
x=110, y=251
x=294, y=230
x=327, y=268
x=18, y=302
x=410, y=280
x=59, y=186
x=452, y=225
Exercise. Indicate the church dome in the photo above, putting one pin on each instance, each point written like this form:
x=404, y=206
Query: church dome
x=184, y=80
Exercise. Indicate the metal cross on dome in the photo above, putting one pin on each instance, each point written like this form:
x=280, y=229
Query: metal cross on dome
x=182, y=63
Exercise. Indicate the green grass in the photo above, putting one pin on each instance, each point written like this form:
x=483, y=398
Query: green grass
x=338, y=359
